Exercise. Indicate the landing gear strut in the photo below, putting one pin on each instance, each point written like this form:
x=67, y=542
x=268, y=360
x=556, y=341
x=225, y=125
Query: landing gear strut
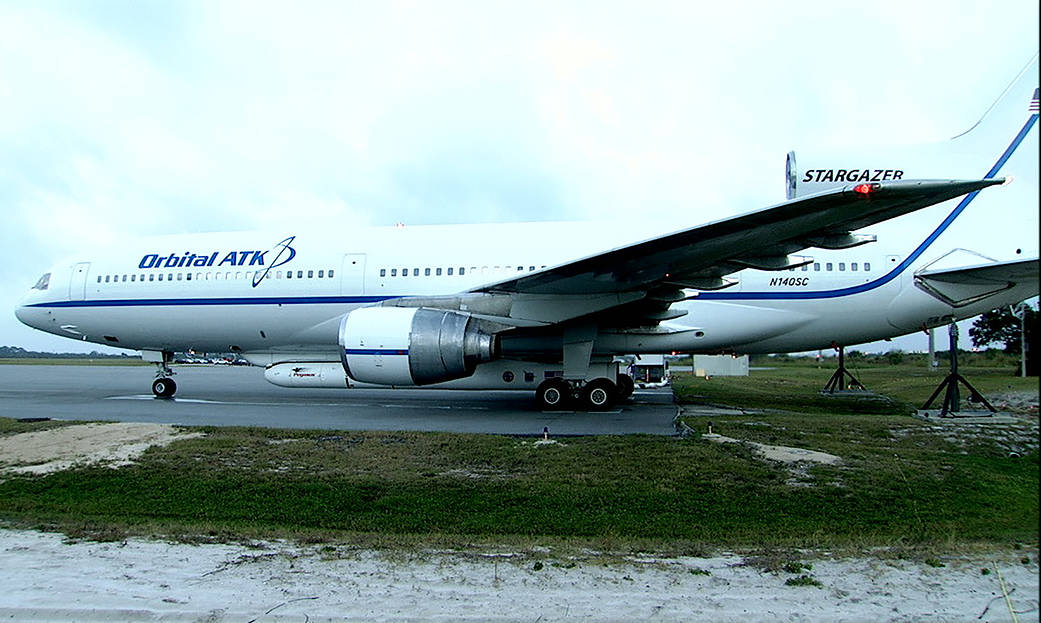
x=163, y=386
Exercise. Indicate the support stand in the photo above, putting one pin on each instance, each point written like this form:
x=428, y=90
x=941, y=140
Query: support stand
x=952, y=398
x=837, y=383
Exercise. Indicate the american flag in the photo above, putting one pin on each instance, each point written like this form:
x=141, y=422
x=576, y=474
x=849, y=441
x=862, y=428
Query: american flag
x=1033, y=103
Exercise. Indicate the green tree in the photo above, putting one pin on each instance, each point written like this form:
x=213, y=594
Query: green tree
x=1002, y=326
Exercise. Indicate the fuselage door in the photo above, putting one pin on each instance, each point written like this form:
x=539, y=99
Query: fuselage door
x=78, y=281
x=352, y=274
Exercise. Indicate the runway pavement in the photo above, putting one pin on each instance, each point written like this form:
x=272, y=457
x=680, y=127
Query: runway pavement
x=239, y=396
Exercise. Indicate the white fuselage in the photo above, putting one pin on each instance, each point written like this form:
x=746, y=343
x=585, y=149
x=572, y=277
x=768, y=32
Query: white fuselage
x=242, y=292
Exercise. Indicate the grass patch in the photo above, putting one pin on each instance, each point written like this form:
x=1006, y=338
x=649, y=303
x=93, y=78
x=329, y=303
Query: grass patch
x=803, y=580
x=615, y=492
x=903, y=483
x=73, y=361
x=795, y=387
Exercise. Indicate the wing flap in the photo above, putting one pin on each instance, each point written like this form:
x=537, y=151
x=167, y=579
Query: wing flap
x=964, y=285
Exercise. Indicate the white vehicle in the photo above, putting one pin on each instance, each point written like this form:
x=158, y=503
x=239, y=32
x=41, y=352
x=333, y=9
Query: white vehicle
x=542, y=306
x=651, y=371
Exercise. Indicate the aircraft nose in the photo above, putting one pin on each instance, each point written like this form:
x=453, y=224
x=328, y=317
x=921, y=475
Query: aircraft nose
x=28, y=315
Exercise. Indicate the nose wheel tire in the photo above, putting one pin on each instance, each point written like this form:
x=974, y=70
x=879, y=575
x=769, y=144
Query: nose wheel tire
x=164, y=388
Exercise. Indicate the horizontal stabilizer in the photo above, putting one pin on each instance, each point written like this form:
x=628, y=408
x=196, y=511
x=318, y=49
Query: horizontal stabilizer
x=968, y=284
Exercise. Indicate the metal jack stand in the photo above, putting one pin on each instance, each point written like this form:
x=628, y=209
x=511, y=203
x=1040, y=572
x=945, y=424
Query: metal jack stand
x=837, y=383
x=952, y=398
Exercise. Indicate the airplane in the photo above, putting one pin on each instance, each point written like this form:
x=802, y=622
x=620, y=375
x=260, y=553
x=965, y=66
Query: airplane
x=546, y=307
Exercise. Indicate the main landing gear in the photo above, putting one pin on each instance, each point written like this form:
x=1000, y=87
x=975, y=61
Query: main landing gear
x=163, y=386
x=557, y=394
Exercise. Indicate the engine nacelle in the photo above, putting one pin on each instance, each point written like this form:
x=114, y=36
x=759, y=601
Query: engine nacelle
x=412, y=346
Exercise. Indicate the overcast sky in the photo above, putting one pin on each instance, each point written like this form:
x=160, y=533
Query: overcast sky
x=129, y=118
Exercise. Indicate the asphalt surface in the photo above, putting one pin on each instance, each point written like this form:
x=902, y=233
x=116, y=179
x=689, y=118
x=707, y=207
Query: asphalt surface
x=239, y=396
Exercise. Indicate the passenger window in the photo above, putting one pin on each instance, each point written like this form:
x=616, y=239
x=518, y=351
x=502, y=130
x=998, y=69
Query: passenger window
x=151, y=277
x=278, y=274
x=449, y=271
x=415, y=272
x=438, y=272
x=330, y=273
x=842, y=267
x=531, y=269
x=179, y=276
x=383, y=272
x=393, y=272
x=520, y=269
x=867, y=266
x=99, y=278
x=816, y=266
x=160, y=276
x=188, y=276
x=107, y=278
x=133, y=278
x=426, y=272
x=805, y=267
x=853, y=266
x=321, y=273
x=310, y=274
x=124, y=278
x=289, y=274
x=828, y=266
x=404, y=272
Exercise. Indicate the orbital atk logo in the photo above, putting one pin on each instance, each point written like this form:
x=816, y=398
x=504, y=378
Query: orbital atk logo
x=263, y=261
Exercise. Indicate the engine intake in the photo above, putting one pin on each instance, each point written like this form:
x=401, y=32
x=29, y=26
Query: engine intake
x=412, y=346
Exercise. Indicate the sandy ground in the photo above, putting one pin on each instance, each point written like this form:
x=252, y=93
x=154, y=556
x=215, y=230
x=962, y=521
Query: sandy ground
x=116, y=444
x=46, y=578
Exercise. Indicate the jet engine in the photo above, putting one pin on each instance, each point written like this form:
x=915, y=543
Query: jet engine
x=412, y=346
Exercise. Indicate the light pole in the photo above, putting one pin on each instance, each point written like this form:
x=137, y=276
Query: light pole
x=1020, y=312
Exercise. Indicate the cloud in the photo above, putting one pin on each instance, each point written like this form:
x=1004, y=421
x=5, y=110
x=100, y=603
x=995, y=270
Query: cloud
x=120, y=119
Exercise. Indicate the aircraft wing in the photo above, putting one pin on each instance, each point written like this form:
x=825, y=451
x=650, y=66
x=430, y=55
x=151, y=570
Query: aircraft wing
x=964, y=285
x=639, y=282
x=698, y=257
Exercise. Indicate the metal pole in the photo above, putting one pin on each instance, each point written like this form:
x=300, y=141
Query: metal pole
x=1022, y=339
x=932, y=349
x=953, y=397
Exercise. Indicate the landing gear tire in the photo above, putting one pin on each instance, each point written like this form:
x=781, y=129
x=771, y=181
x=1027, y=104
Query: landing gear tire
x=626, y=386
x=164, y=388
x=553, y=394
x=599, y=395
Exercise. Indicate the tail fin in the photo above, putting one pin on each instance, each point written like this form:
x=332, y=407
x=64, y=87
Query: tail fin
x=980, y=151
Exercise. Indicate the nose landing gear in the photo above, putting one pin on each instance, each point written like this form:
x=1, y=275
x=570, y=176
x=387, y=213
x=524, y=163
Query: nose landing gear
x=163, y=386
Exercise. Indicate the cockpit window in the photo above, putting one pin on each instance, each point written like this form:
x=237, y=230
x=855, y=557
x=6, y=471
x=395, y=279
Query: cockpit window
x=43, y=282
